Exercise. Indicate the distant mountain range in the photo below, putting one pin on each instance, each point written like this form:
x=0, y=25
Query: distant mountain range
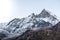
x=26, y=27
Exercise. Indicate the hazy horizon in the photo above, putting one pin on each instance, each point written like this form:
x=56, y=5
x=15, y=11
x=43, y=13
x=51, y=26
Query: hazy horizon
x=10, y=9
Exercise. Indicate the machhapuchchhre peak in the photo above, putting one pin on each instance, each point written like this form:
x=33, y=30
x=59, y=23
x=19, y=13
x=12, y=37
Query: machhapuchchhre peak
x=42, y=26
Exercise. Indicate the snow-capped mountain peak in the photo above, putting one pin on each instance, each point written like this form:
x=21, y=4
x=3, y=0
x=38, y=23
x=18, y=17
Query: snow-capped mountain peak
x=32, y=15
x=42, y=20
x=32, y=22
x=44, y=13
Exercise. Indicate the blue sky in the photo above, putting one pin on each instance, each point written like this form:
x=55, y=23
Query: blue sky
x=22, y=8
